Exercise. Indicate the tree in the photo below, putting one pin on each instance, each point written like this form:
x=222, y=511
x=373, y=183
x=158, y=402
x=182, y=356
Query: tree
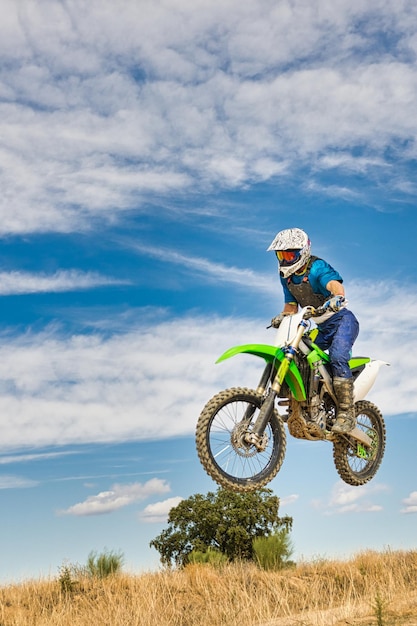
x=224, y=521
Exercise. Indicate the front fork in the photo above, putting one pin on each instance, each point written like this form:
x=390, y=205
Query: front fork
x=263, y=383
x=256, y=435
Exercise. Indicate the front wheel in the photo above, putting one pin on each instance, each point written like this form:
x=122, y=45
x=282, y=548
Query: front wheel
x=355, y=463
x=222, y=449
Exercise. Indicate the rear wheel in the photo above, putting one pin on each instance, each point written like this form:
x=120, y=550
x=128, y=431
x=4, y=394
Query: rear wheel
x=356, y=463
x=222, y=449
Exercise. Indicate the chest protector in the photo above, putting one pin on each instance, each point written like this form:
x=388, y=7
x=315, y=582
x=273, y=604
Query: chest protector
x=303, y=292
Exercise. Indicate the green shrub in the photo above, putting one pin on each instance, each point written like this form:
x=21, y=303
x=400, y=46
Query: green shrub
x=274, y=551
x=379, y=608
x=210, y=556
x=65, y=579
x=104, y=564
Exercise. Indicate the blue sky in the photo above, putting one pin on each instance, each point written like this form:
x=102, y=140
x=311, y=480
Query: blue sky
x=149, y=152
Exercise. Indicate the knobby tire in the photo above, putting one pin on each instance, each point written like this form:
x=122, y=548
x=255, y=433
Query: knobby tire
x=231, y=463
x=353, y=468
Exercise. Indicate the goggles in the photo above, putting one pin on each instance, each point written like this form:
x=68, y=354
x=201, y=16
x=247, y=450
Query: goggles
x=287, y=256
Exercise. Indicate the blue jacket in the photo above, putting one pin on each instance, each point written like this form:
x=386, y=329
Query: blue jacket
x=319, y=274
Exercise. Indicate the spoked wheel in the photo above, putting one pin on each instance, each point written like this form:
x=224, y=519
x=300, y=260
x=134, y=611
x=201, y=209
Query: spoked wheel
x=223, y=451
x=355, y=463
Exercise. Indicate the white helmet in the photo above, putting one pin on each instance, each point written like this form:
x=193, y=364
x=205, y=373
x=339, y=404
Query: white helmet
x=292, y=247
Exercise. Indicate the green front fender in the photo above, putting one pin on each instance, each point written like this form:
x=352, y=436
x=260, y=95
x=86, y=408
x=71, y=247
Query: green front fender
x=271, y=354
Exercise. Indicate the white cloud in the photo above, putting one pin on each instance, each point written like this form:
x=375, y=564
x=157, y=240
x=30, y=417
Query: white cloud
x=56, y=389
x=158, y=512
x=17, y=282
x=410, y=503
x=287, y=500
x=98, y=388
x=102, y=107
x=16, y=482
x=388, y=332
x=347, y=499
x=217, y=272
x=117, y=497
x=36, y=456
x=349, y=162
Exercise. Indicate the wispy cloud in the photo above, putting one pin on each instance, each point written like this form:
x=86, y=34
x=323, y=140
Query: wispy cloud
x=16, y=482
x=103, y=387
x=288, y=500
x=334, y=191
x=93, y=124
x=346, y=499
x=117, y=497
x=36, y=456
x=16, y=282
x=100, y=388
x=217, y=272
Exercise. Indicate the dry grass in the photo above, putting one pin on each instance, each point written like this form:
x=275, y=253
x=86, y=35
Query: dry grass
x=371, y=589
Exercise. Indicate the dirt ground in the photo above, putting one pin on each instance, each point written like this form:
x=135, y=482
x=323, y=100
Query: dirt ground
x=397, y=613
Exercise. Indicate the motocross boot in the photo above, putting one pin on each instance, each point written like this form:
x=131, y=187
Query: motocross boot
x=345, y=416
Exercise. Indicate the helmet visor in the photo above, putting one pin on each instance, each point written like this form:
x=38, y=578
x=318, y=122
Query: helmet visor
x=287, y=257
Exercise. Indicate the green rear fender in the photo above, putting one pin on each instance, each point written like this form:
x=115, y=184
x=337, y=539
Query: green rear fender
x=271, y=354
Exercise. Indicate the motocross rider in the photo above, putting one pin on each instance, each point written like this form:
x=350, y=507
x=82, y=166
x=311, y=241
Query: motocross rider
x=310, y=281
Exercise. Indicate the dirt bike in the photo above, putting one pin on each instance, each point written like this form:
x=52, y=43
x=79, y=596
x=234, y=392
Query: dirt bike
x=240, y=435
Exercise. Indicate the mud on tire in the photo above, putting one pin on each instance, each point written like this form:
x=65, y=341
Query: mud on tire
x=356, y=464
x=226, y=457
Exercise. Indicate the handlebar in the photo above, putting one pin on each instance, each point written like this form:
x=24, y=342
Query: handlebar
x=311, y=311
x=335, y=304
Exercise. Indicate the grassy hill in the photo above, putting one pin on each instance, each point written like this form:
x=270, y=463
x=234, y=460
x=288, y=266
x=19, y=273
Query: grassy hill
x=371, y=588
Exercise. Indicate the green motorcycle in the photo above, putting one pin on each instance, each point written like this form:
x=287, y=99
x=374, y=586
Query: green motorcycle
x=240, y=434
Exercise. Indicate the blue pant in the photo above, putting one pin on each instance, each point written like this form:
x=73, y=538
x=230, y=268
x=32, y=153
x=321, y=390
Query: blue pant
x=337, y=335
